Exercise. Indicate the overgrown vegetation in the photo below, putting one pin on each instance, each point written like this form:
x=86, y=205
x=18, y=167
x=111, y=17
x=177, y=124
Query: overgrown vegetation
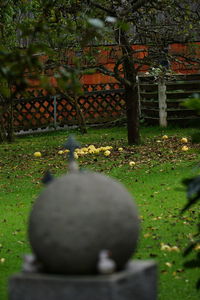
x=155, y=181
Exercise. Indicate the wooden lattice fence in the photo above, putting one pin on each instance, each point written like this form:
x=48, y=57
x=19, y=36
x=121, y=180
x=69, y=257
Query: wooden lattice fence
x=99, y=103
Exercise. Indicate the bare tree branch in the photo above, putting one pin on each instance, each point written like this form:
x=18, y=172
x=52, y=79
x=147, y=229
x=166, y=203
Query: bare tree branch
x=97, y=5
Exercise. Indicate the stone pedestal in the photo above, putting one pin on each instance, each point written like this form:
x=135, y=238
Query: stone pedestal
x=137, y=282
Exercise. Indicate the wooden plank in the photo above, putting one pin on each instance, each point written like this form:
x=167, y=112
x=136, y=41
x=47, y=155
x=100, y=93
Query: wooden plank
x=190, y=118
x=184, y=87
x=181, y=91
x=183, y=82
x=183, y=110
x=150, y=109
x=178, y=96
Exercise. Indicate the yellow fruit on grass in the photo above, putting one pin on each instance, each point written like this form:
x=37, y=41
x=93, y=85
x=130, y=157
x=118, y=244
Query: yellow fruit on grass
x=102, y=149
x=91, y=151
x=108, y=148
x=120, y=149
x=107, y=153
x=131, y=163
x=84, y=149
x=165, y=247
x=96, y=151
x=184, y=140
x=37, y=154
x=75, y=155
x=60, y=152
x=165, y=137
x=81, y=153
x=91, y=147
x=185, y=148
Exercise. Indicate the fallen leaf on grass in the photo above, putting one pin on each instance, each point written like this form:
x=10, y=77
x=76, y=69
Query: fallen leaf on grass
x=157, y=218
x=146, y=235
x=165, y=247
x=175, y=249
x=20, y=242
x=168, y=264
x=197, y=247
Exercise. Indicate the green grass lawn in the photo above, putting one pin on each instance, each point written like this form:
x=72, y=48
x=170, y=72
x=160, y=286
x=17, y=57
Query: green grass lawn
x=154, y=181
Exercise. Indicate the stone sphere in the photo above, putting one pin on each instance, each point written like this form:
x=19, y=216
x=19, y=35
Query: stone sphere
x=79, y=215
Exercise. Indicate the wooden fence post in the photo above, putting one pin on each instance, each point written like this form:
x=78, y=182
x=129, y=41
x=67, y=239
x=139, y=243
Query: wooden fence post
x=162, y=99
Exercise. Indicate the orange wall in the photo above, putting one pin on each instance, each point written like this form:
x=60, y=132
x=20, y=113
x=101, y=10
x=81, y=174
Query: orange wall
x=107, y=56
x=189, y=50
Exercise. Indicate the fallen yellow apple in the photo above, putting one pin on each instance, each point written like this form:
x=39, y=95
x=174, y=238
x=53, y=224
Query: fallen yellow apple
x=37, y=154
x=165, y=247
x=91, y=147
x=185, y=148
x=96, y=151
x=60, y=152
x=108, y=148
x=165, y=137
x=131, y=163
x=81, y=153
x=75, y=155
x=84, y=149
x=120, y=149
x=107, y=153
x=184, y=140
x=103, y=148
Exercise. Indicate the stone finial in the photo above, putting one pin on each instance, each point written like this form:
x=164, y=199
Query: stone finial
x=71, y=144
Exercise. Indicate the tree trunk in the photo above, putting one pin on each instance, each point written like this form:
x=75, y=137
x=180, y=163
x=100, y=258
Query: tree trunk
x=132, y=102
x=131, y=91
x=132, y=113
x=80, y=117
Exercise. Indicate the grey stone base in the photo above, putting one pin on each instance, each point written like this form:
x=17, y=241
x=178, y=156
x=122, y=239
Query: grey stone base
x=137, y=282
